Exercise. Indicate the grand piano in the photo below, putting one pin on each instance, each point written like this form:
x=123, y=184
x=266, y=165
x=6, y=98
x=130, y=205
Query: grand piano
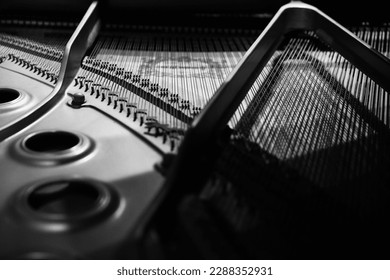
x=195, y=130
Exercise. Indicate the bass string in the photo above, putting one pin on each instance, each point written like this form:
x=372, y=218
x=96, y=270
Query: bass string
x=269, y=100
x=259, y=92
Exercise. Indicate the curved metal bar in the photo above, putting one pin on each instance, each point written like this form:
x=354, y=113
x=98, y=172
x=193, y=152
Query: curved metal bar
x=80, y=41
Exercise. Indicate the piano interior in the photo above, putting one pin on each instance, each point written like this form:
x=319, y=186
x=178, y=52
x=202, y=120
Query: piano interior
x=196, y=130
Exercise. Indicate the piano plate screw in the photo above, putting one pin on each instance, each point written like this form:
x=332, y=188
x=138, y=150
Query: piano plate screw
x=78, y=99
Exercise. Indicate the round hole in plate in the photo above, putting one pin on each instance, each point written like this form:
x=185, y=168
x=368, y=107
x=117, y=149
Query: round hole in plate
x=65, y=198
x=52, y=141
x=8, y=95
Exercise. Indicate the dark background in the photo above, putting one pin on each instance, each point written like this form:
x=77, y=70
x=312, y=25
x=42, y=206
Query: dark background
x=374, y=10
